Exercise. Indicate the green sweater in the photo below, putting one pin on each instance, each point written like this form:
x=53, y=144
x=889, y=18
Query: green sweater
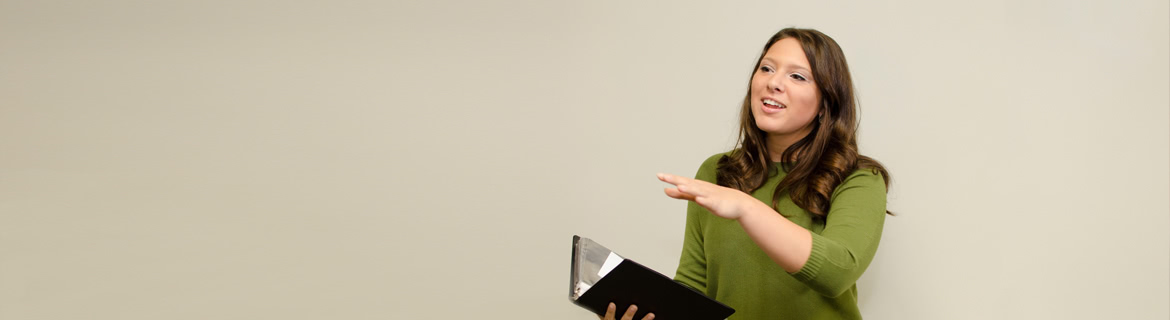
x=719, y=259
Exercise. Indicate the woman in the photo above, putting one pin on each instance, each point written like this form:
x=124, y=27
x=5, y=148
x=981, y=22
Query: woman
x=782, y=226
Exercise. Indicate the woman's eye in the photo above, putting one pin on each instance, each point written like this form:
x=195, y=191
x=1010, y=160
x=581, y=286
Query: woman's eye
x=766, y=69
x=797, y=76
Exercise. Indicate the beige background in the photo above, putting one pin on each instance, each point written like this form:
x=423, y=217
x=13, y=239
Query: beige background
x=432, y=159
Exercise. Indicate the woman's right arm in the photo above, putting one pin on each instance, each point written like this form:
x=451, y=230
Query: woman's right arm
x=692, y=263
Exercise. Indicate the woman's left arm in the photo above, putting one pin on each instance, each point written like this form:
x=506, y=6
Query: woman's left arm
x=829, y=262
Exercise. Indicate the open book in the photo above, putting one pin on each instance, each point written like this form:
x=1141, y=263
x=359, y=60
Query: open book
x=599, y=276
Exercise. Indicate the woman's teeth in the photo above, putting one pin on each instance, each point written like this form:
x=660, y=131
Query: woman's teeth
x=773, y=103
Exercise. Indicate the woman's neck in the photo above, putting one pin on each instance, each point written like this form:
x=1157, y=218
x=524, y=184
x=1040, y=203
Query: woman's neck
x=777, y=143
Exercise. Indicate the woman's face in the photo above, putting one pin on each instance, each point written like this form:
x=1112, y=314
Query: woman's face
x=784, y=95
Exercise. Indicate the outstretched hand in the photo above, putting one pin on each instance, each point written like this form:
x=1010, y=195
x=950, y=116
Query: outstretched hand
x=721, y=201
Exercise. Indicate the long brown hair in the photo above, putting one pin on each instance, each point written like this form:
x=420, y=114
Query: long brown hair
x=823, y=158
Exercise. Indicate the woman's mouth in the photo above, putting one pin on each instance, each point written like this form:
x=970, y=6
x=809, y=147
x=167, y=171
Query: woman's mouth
x=772, y=106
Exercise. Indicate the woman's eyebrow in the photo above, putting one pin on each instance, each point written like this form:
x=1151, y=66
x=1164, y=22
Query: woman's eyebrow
x=789, y=65
x=794, y=66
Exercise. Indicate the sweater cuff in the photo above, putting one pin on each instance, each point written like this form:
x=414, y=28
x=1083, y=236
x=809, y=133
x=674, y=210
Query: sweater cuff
x=816, y=259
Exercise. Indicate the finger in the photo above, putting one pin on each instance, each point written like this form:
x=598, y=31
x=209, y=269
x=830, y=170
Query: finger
x=649, y=316
x=674, y=193
x=630, y=312
x=672, y=179
x=693, y=190
x=610, y=311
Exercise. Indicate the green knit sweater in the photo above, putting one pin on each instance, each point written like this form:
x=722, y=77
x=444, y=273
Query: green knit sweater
x=719, y=259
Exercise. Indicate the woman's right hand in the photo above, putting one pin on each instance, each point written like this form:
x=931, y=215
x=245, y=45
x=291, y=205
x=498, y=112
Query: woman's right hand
x=611, y=312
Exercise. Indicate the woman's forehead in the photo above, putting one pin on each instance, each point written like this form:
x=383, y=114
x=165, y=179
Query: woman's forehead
x=788, y=53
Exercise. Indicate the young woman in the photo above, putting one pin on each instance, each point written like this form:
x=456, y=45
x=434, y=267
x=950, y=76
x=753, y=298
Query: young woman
x=782, y=226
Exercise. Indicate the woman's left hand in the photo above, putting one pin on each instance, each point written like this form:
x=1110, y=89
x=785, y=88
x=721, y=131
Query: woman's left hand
x=722, y=201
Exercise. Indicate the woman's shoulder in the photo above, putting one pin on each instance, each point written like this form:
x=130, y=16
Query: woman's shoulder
x=865, y=173
x=713, y=160
x=710, y=166
x=866, y=177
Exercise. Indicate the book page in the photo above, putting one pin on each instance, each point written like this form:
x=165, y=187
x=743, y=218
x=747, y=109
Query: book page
x=610, y=262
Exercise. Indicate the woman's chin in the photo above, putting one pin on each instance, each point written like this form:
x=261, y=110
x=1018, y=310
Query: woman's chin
x=770, y=126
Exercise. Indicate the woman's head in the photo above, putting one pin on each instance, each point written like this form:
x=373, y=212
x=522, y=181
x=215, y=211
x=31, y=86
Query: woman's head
x=784, y=97
x=805, y=72
x=800, y=99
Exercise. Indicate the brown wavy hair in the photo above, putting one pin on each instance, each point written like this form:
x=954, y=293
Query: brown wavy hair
x=823, y=158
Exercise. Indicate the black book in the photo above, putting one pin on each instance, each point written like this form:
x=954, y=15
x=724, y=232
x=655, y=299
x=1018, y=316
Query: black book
x=599, y=276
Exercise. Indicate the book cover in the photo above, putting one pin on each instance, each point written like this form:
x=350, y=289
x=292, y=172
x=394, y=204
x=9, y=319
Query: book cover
x=599, y=276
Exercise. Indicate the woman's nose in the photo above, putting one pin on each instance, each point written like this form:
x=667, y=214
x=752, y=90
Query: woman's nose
x=776, y=83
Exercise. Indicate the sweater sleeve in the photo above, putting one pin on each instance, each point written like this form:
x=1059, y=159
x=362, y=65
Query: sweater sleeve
x=853, y=227
x=692, y=264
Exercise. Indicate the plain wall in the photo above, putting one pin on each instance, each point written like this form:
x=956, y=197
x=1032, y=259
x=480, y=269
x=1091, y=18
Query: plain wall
x=432, y=159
